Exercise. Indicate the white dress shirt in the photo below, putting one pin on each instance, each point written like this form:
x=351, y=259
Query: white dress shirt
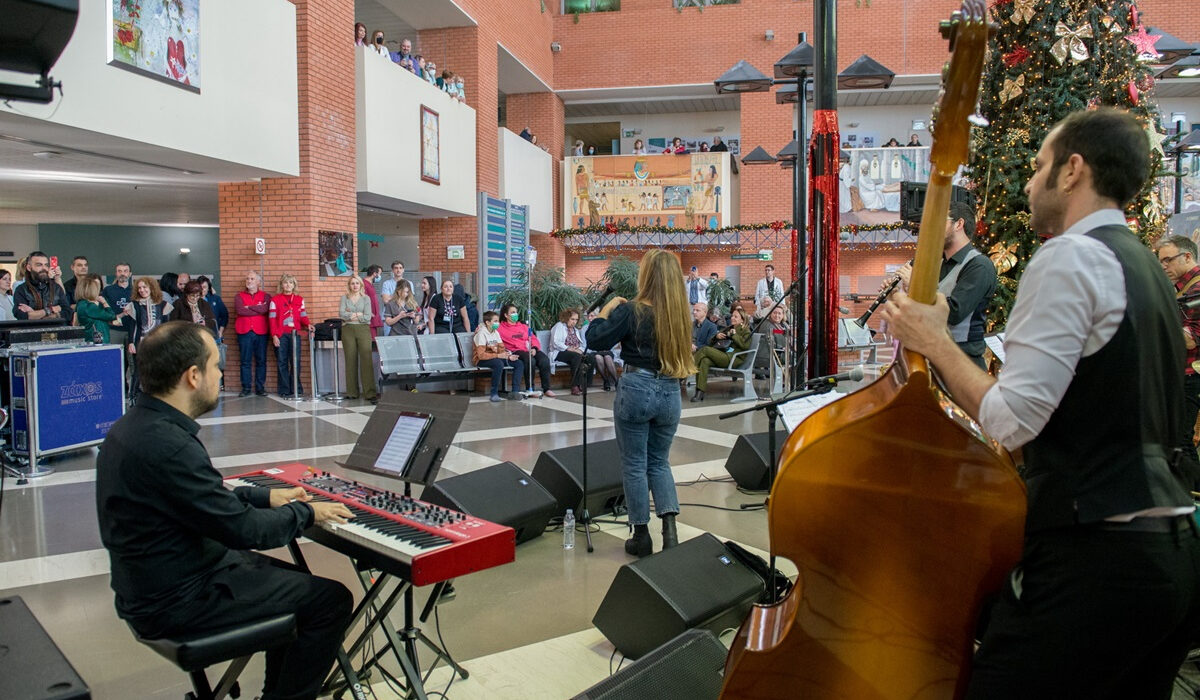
x=761, y=290
x=701, y=289
x=1069, y=305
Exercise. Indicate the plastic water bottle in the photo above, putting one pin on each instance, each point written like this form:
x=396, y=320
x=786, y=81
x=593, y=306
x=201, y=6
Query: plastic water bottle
x=569, y=530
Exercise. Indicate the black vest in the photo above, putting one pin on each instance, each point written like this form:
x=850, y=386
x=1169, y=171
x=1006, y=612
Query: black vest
x=1105, y=450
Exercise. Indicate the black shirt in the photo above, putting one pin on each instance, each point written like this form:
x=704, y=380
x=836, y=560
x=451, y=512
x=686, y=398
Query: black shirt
x=447, y=316
x=165, y=516
x=118, y=298
x=41, y=296
x=971, y=295
x=635, y=333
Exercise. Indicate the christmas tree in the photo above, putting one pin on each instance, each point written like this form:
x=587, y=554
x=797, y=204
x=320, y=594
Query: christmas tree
x=1049, y=58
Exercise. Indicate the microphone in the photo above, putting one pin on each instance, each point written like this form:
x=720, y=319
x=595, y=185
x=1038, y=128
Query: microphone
x=608, y=291
x=854, y=375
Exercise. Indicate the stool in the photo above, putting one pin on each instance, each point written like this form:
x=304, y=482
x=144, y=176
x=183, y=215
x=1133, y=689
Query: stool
x=195, y=652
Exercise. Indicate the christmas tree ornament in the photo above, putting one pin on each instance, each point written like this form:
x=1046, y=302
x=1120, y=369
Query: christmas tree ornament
x=1133, y=92
x=1144, y=42
x=1156, y=138
x=1022, y=10
x=1012, y=88
x=1017, y=56
x=1070, y=43
x=1109, y=23
x=1003, y=257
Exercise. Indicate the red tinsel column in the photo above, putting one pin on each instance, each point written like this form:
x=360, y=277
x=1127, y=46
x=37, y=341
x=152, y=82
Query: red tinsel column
x=824, y=215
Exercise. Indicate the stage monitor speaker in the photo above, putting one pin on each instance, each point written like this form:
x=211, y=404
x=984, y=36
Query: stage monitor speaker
x=34, y=33
x=502, y=493
x=689, y=667
x=561, y=472
x=912, y=200
x=748, y=463
x=697, y=584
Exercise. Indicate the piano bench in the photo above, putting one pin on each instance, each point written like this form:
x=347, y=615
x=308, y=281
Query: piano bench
x=196, y=652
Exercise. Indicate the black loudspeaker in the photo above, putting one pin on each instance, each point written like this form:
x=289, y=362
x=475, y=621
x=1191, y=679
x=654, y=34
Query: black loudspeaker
x=697, y=584
x=502, y=493
x=689, y=667
x=748, y=460
x=32, y=37
x=561, y=472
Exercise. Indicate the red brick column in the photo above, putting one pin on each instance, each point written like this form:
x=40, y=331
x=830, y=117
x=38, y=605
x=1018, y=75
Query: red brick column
x=288, y=212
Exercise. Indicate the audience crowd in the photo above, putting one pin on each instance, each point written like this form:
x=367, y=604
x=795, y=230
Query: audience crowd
x=427, y=70
x=276, y=322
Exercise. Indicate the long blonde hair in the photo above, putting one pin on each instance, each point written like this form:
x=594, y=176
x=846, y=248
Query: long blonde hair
x=660, y=285
x=404, y=295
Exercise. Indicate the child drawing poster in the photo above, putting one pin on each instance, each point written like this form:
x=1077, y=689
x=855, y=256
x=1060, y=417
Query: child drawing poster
x=158, y=38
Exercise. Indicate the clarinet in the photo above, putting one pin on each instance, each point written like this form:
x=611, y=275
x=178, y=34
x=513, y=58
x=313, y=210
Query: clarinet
x=861, y=321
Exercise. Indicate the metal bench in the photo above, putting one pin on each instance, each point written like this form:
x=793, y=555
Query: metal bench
x=745, y=370
x=399, y=354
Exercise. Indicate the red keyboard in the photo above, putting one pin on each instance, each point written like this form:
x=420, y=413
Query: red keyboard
x=404, y=536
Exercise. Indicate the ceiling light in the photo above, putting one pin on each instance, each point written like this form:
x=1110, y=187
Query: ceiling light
x=184, y=251
x=47, y=155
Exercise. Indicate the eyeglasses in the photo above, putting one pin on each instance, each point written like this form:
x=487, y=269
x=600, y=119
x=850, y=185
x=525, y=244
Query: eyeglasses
x=1167, y=261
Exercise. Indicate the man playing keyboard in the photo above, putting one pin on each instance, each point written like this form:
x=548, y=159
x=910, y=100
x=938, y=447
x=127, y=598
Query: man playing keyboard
x=175, y=535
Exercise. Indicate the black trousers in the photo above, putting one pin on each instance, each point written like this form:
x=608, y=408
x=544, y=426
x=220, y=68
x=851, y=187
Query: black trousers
x=541, y=361
x=1189, y=465
x=579, y=379
x=1102, y=614
x=256, y=587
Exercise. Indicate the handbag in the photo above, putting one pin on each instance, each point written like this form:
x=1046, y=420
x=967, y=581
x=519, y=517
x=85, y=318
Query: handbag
x=725, y=343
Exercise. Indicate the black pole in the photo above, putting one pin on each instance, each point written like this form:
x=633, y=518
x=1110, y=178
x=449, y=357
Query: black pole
x=824, y=98
x=800, y=222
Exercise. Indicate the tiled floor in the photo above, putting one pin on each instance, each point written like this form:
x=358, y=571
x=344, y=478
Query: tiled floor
x=522, y=630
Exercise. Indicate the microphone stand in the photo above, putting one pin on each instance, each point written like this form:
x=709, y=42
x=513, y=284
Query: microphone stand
x=772, y=410
x=585, y=517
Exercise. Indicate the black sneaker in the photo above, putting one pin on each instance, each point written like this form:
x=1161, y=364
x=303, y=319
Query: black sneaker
x=244, y=392
x=260, y=392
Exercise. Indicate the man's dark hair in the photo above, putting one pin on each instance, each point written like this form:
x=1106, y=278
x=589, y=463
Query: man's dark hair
x=966, y=212
x=398, y=262
x=77, y=258
x=167, y=352
x=770, y=267
x=373, y=269
x=37, y=253
x=1112, y=143
x=122, y=263
x=1182, y=243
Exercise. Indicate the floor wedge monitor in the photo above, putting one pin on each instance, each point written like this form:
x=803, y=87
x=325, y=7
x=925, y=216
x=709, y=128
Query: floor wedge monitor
x=502, y=493
x=561, y=472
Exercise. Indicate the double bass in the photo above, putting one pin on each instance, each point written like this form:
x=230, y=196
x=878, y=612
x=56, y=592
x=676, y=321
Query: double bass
x=899, y=513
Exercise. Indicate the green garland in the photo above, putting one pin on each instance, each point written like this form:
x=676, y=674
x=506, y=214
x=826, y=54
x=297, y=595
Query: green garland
x=613, y=229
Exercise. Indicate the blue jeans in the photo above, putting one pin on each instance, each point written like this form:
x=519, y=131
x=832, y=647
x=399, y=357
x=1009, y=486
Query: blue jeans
x=285, y=360
x=646, y=411
x=497, y=366
x=253, y=347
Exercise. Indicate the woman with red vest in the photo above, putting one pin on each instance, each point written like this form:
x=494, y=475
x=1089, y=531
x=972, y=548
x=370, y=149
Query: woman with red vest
x=251, y=306
x=287, y=318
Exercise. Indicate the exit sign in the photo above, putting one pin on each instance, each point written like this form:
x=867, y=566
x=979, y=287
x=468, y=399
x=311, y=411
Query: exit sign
x=594, y=257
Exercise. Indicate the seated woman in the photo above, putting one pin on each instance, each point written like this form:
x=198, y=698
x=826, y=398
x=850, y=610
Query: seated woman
x=606, y=367
x=709, y=356
x=194, y=308
x=523, y=343
x=567, y=345
x=489, y=352
x=92, y=310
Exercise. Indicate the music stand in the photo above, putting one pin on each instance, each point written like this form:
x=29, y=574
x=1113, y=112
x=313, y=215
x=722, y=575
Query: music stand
x=446, y=414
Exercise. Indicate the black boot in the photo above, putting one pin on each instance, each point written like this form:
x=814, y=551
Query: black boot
x=698, y=397
x=670, y=536
x=640, y=545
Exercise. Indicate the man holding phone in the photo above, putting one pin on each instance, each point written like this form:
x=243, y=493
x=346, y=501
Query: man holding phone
x=41, y=297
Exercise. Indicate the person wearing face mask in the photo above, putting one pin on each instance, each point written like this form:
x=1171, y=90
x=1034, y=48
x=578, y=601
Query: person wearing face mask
x=523, y=343
x=371, y=283
x=489, y=352
x=431, y=73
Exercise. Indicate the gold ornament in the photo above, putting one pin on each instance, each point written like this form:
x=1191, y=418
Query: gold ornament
x=1156, y=139
x=1070, y=43
x=1110, y=25
x=1022, y=10
x=1012, y=88
x=1004, y=258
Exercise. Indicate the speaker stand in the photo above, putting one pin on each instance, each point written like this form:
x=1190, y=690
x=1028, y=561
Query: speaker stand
x=772, y=410
x=585, y=518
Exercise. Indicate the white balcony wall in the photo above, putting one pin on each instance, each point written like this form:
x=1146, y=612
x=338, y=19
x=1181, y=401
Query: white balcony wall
x=246, y=111
x=527, y=177
x=389, y=101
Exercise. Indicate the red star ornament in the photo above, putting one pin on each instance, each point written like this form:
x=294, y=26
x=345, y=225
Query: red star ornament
x=1143, y=42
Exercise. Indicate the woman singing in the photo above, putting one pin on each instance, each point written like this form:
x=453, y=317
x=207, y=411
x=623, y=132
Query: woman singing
x=656, y=344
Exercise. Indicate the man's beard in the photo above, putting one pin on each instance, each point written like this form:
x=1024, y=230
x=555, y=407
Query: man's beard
x=202, y=405
x=42, y=277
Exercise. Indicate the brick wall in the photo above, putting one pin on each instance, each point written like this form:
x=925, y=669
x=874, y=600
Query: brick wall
x=288, y=212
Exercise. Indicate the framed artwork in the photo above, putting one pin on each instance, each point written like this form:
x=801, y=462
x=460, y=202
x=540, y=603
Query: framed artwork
x=431, y=163
x=335, y=254
x=157, y=38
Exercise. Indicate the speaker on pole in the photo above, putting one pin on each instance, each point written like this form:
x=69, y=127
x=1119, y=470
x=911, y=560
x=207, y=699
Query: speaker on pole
x=748, y=462
x=32, y=37
x=689, y=667
x=561, y=472
x=697, y=584
x=502, y=493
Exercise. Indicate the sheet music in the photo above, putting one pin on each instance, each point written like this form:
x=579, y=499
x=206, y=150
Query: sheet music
x=995, y=343
x=794, y=412
x=398, y=450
